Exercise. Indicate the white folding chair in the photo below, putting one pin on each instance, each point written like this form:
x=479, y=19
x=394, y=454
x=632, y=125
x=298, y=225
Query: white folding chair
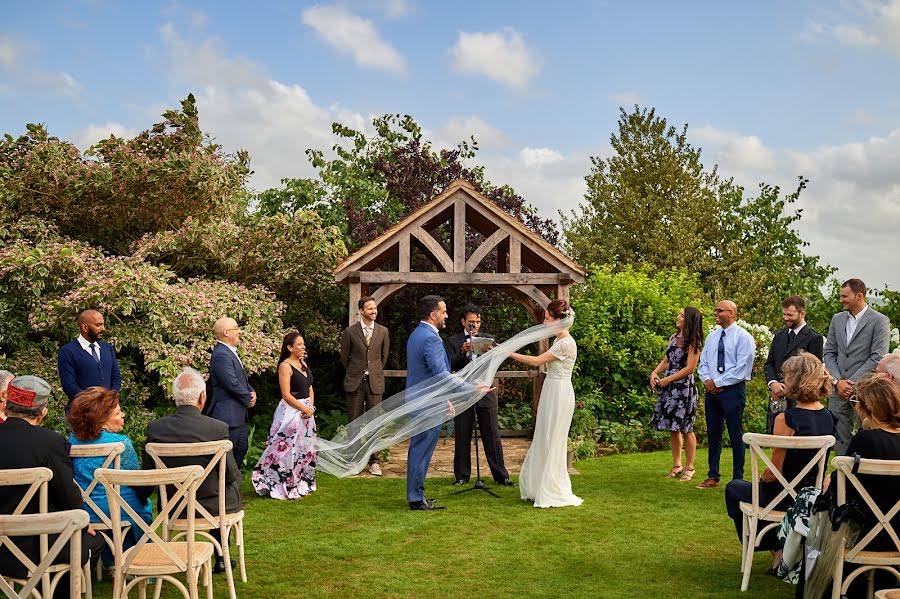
x=868, y=560
x=67, y=525
x=36, y=479
x=112, y=458
x=753, y=513
x=154, y=556
x=205, y=521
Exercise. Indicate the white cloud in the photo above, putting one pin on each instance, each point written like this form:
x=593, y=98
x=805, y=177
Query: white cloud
x=393, y=9
x=19, y=59
x=627, y=98
x=863, y=24
x=90, y=135
x=500, y=55
x=459, y=129
x=353, y=35
x=539, y=157
x=242, y=107
x=734, y=151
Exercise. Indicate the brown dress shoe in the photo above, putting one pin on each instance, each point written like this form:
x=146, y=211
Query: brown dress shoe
x=709, y=483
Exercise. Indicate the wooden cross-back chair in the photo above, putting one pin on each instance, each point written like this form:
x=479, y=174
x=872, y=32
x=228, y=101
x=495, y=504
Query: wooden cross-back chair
x=868, y=560
x=36, y=479
x=753, y=513
x=154, y=556
x=112, y=458
x=206, y=521
x=67, y=525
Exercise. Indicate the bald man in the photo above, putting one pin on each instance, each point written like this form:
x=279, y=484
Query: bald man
x=87, y=361
x=231, y=393
x=890, y=365
x=726, y=363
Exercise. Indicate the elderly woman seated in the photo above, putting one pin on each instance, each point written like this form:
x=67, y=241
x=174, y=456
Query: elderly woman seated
x=807, y=382
x=95, y=417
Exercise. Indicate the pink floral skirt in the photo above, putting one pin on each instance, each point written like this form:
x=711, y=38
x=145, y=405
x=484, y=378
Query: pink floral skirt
x=287, y=467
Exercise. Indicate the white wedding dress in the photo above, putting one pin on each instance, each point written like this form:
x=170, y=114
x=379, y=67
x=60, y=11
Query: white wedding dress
x=544, y=478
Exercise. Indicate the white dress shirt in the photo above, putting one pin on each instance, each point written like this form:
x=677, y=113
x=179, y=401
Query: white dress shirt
x=86, y=346
x=853, y=322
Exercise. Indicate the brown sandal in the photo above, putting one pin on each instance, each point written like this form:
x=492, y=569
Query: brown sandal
x=688, y=475
x=675, y=471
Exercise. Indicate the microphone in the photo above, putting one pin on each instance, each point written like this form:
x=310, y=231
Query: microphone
x=471, y=334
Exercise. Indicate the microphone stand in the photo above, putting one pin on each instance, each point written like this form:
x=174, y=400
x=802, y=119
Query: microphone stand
x=479, y=484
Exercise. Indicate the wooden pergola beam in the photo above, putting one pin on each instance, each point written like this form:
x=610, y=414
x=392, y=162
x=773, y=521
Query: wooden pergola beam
x=434, y=248
x=462, y=278
x=484, y=249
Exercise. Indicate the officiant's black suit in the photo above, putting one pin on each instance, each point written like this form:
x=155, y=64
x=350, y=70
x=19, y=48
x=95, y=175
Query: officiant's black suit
x=784, y=347
x=486, y=411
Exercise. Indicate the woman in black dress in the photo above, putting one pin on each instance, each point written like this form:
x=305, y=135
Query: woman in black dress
x=287, y=467
x=676, y=406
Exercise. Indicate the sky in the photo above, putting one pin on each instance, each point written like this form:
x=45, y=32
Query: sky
x=769, y=90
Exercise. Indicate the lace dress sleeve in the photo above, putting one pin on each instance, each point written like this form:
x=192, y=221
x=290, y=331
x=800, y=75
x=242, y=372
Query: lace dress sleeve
x=564, y=348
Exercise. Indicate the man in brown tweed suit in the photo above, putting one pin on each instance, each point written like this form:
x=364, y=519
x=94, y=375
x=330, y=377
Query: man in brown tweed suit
x=364, y=353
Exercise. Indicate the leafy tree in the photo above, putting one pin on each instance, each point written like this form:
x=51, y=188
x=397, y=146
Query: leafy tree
x=654, y=203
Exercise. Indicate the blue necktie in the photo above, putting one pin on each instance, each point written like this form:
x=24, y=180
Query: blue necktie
x=94, y=353
x=720, y=361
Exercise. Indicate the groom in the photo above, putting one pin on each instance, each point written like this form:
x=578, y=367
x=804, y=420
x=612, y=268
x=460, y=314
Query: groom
x=425, y=358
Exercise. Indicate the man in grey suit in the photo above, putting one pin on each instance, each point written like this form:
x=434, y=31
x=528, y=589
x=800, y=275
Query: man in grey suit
x=364, y=354
x=858, y=337
x=188, y=425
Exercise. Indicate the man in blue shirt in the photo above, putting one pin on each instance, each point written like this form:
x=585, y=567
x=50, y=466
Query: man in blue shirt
x=87, y=361
x=725, y=367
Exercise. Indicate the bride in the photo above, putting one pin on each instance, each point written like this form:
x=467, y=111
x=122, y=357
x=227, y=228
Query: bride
x=544, y=478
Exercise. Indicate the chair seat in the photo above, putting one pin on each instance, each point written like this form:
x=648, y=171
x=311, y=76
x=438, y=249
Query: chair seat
x=773, y=516
x=101, y=526
x=880, y=558
x=205, y=523
x=151, y=559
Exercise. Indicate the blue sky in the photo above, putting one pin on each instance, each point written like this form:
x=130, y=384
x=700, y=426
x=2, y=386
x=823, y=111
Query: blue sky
x=770, y=90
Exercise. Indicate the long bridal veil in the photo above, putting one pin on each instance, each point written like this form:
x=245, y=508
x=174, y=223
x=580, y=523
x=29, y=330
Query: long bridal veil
x=421, y=407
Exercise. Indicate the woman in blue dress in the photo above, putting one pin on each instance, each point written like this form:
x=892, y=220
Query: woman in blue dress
x=95, y=417
x=676, y=406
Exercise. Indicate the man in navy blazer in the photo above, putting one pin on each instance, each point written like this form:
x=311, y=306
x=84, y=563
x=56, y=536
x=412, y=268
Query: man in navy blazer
x=425, y=358
x=231, y=391
x=87, y=361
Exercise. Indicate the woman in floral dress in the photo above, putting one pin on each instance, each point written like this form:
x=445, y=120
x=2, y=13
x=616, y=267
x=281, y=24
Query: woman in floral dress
x=287, y=468
x=676, y=406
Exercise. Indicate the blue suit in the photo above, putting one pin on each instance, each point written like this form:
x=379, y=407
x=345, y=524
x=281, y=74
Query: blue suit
x=425, y=358
x=78, y=370
x=230, y=396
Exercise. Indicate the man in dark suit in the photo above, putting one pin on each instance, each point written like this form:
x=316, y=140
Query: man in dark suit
x=87, y=361
x=231, y=391
x=188, y=425
x=364, y=354
x=25, y=444
x=858, y=338
x=796, y=336
x=459, y=350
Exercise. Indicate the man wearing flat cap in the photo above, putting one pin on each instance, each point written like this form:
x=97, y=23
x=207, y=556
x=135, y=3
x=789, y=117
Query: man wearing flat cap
x=24, y=443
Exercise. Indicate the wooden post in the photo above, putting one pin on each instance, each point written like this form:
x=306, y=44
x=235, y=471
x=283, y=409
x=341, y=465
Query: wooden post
x=459, y=235
x=355, y=294
x=515, y=255
x=403, y=248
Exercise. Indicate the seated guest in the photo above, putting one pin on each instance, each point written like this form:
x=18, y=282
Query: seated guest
x=5, y=377
x=95, y=417
x=807, y=382
x=878, y=406
x=25, y=444
x=188, y=425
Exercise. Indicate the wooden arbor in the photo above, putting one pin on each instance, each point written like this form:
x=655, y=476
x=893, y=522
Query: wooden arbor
x=527, y=267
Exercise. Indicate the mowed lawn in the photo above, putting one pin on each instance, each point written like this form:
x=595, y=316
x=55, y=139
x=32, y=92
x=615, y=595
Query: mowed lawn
x=636, y=535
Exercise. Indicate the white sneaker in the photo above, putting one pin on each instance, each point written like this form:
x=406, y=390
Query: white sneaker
x=375, y=470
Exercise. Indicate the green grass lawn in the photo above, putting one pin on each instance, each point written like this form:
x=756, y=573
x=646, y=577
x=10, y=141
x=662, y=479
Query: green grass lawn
x=636, y=535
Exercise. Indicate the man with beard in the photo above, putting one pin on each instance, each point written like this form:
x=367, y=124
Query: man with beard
x=87, y=361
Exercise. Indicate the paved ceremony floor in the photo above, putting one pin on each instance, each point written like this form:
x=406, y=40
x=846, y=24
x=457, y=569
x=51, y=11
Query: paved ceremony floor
x=514, y=450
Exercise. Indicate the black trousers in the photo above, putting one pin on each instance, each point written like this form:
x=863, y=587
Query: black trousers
x=360, y=400
x=770, y=417
x=489, y=432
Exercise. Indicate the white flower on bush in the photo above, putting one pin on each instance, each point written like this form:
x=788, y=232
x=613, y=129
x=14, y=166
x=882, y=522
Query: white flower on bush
x=895, y=338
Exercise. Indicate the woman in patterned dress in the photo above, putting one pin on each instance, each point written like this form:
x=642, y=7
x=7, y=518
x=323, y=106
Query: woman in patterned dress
x=676, y=406
x=287, y=467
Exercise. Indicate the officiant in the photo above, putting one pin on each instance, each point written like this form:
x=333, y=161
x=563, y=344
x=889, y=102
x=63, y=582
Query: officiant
x=461, y=350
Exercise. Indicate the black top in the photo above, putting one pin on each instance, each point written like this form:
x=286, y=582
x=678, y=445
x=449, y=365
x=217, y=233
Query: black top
x=877, y=444
x=300, y=382
x=806, y=423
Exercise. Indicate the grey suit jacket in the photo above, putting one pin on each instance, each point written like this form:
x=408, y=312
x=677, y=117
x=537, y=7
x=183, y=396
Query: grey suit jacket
x=187, y=425
x=870, y=342
x=357, y=357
